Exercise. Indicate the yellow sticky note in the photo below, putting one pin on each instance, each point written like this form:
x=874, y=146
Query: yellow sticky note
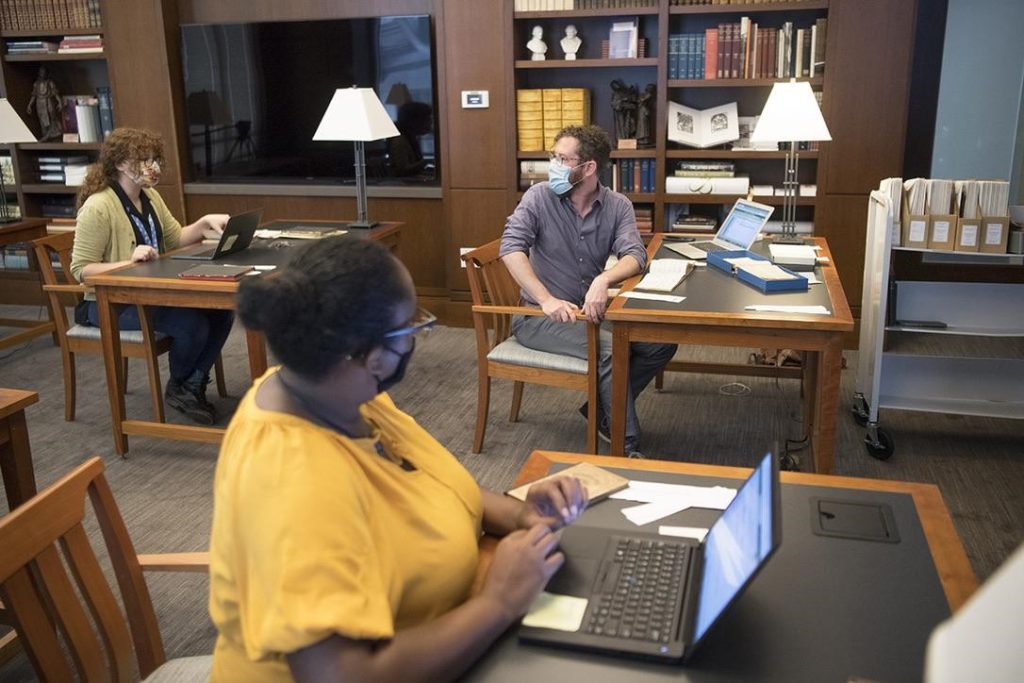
x=559, y=612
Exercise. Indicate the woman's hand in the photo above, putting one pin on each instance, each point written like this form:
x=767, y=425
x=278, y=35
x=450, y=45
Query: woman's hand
x=213, y=225
x=144, y=252
x=522, y=565
x=555, y=502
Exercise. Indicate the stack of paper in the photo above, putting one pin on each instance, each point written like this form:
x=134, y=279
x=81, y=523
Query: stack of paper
x=993, y=197
x=661, y=500
x=793, y=254
x=940, y=196
x=917, y=195
x=664, y=274
x=759, y=268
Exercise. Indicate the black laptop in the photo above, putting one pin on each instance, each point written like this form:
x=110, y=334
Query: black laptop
x=655, y=596
x=237, y=236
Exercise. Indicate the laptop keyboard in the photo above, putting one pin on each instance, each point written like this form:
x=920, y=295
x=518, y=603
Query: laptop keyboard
x=711, y=246
x=639, y=591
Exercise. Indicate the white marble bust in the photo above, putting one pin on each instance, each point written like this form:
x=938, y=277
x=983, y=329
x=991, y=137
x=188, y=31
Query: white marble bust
x=537, y=47
x=571, y=43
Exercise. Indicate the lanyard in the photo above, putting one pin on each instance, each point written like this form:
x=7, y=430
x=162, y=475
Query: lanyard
x=148, y=235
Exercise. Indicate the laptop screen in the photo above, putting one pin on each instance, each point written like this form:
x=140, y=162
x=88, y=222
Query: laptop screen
x=743, y=223
x=738, y=544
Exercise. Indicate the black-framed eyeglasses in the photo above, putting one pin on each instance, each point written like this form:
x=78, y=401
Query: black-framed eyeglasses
x=422, y=321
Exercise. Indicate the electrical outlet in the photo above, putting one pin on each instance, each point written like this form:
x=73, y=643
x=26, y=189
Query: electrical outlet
x=462, y=252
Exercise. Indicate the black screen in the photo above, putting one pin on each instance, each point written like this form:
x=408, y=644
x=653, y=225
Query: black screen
x=255, y=92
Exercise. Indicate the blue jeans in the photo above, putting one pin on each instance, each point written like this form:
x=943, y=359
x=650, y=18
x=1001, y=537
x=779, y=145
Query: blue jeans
x=198, y=334
x=645, y=360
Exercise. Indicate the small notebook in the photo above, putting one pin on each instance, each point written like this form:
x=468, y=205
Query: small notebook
x=311, y=232
x=599, y=483
x=210, y=271
x=664, y=274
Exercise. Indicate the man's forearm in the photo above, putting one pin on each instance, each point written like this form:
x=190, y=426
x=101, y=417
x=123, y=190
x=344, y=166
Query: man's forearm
x=626, y=268
x=519, y=267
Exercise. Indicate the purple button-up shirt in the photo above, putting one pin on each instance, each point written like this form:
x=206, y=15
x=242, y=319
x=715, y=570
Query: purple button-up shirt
x=566, y=251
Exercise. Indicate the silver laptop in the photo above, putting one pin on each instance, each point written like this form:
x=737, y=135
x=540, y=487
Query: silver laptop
x=739, y=230
x=237, y=236
x=657, y=597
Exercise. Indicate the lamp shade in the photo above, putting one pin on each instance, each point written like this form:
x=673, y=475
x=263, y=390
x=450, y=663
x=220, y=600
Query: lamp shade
x=12, y=128
x=791, y=114
x=355, y=114
x=399, y=94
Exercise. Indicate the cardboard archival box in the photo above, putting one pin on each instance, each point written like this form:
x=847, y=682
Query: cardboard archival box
x=968, y=233
x=941, y=231
x=995, y=232
x=915, y=228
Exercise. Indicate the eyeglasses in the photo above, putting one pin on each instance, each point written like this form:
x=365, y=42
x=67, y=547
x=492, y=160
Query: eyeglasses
x=422, y=321
x=562, y=159
x=150, y=164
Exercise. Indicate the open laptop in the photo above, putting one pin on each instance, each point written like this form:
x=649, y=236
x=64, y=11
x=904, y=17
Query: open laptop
x=237, y=236
x=694, y=584
x=739, y=230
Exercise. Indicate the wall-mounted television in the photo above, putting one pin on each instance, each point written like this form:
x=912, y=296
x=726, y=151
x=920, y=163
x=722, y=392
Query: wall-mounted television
x=255, y=92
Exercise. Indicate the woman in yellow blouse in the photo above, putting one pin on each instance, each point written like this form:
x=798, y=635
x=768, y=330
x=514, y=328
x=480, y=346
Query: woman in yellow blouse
x=344, y=539
x=122, y=219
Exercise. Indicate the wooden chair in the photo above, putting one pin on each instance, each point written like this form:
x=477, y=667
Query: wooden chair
x=145, y=343
x=495, y=300
x=43, y=598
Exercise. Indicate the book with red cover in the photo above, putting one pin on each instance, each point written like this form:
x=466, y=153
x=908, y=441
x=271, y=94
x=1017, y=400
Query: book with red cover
x=210, y=271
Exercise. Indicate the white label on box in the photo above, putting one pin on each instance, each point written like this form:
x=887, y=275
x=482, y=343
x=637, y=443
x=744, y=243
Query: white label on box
x=994, y=233
x=940, y=232
x=968, y=235
x=917, y=230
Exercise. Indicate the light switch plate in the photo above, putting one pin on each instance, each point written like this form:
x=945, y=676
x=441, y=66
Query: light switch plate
x=476, y=99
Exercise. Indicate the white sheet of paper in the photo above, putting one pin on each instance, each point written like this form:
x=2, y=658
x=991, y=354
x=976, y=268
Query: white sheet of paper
x=712, y=497
x=652, y=512
x=768, y=308
x=671, y=298
x=560, y=612
x=683, y=532
x=811, y=278
x=267, y=234
x=664, y=274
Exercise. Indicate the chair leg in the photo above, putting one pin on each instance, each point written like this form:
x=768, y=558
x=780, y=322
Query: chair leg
x=156, y=394
x=517, y=400
x=592, y=427
x=218, y=372
x=68, y=359
x=659, y=380
x=124, y=372
x=483, y=404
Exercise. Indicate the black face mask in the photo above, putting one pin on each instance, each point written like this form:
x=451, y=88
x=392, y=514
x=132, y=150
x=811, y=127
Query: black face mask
x=399, y=373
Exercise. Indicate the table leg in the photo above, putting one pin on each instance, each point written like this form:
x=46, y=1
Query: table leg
x=110, y=331
x=826, y=405
x=257, y=346
x=808, y=390
x=620, y=385
x=16, y=460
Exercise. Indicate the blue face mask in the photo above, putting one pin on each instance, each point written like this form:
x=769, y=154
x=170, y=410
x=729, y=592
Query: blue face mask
x=558, y=178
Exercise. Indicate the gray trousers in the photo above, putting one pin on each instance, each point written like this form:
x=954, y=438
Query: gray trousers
x=645, y=361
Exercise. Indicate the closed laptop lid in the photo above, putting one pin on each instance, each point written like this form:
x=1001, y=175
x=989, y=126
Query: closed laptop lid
x=741, y=227
x=238, y=232
x=738, y=545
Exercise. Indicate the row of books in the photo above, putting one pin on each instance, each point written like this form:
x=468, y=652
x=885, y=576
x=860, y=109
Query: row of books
x=745, y=50
x=36, y=15
x=633, y=175
x=65, y=169
x=644, y=219
x=542, y=113
x=81, y=44
x=68, y=45
x=88, y=118
x=698, y=169
x=678, y=3
x=564, y=5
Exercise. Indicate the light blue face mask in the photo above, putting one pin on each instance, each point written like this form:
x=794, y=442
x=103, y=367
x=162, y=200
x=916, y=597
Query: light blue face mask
x=558, y=178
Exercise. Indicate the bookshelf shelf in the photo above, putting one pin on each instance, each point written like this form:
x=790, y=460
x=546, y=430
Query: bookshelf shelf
x=585, y=63
x=60, y=146
x=817, y=81
x=56, y=57
x=731, y=154
x=616, y=154
x=46, y=32
x=602, y=12
x=47, y=188
x=730, y=198
x=750, y=8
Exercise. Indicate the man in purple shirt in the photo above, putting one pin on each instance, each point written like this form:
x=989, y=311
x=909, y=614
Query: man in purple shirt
x=556, y=244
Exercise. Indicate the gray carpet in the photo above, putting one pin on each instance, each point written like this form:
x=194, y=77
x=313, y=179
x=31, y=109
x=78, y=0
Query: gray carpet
x=164, y=488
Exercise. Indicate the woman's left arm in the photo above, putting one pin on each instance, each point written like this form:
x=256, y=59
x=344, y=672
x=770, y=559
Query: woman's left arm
x=209, y=226
x=555, y=502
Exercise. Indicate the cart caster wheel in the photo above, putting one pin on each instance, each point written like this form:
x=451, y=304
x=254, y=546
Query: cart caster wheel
x=883, y=448
x=859, y=410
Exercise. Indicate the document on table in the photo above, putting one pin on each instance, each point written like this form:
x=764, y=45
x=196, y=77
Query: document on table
x=771, y=308
x=763, y=270
x=664, y=274
x=661, y=500
x=671, y=298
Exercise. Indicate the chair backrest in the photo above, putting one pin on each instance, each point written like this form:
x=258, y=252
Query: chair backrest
x=43, y=597
x=491, y=283
x=60, y=244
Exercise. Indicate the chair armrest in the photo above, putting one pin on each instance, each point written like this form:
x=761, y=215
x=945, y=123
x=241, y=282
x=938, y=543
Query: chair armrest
x=176, y=562
x=514, y=310
x=70, y=289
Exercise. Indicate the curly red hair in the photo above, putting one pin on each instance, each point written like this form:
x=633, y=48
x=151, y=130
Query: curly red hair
x=124, y=144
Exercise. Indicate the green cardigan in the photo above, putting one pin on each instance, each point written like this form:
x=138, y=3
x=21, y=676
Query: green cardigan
x=104, y=233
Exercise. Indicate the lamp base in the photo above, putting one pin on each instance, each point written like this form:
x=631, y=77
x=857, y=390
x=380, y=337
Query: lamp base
x=786, y=238
x=363, y=225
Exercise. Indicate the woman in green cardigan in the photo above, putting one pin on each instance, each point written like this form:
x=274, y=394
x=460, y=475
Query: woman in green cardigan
x=122, y=220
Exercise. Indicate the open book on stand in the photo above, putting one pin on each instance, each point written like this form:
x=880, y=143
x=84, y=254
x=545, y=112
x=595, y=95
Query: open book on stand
x=703, y=128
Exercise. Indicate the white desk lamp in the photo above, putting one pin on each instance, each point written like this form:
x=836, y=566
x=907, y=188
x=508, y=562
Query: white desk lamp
x=356, y=115
x=792, y=115
x=12, y=129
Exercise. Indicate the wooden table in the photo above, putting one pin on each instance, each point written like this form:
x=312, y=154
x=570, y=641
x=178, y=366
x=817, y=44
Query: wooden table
x=156, y=283
x=16, y=472
x=928, y=539
x=25, y=231
x=714, y=314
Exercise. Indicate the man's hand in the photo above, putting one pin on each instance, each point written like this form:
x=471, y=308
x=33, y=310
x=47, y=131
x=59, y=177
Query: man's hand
x=213, y=225
x=559, y=311
x=596, y=301
x=144, y=252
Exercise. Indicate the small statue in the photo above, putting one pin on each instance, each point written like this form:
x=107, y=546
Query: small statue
x=624, y=102
x=571, y=43
x=49, y=108
x=643, y=116
x=537, y=47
